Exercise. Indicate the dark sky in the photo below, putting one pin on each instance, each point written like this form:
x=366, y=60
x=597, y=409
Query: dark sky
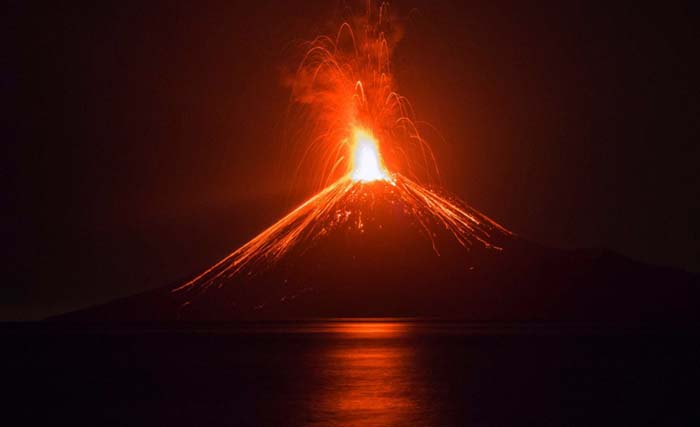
x=143, y=141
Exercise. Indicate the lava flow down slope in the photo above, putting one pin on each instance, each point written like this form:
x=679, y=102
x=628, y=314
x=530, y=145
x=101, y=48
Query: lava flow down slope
x=376, y=240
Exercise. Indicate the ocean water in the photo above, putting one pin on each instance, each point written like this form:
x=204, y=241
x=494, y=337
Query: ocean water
x=369, y=372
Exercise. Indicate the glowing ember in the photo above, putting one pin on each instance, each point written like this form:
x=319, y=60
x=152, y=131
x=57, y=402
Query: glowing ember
x=366, y=162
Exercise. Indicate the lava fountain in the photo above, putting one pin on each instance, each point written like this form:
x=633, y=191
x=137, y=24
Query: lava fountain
x=366, y=162
x=364, y=140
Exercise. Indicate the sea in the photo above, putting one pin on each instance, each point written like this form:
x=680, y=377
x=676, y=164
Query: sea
x=350, y=373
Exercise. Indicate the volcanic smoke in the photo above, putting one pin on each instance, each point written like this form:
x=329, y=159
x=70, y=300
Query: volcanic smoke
x=362, y=133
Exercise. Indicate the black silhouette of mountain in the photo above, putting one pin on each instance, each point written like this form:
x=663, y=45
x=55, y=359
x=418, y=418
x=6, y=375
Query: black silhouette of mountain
x=381, y=261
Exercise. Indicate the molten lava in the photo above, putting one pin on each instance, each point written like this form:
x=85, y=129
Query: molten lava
x=366, y=162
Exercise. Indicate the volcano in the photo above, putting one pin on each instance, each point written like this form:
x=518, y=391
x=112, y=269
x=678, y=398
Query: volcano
x=378, y=243
x=384, y=249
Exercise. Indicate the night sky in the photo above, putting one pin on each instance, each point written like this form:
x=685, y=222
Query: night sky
x=145, y=141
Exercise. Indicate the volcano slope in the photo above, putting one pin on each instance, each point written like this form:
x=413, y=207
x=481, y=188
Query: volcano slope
x=386, y=249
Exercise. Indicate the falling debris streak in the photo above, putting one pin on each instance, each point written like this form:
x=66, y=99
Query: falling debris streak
x=353, y=118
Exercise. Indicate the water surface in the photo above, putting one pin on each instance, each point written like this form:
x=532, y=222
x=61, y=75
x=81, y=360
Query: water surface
x=371, y=372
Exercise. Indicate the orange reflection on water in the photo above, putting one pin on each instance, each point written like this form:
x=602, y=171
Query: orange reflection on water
x=370, y=329
x=368, y=378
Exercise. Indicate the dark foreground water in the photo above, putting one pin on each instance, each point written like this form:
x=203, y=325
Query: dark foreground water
x=349, y=373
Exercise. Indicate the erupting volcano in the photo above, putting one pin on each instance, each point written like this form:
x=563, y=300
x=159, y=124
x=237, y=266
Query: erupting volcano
x=349, y=204
x=346, y=88
x=379, y=238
